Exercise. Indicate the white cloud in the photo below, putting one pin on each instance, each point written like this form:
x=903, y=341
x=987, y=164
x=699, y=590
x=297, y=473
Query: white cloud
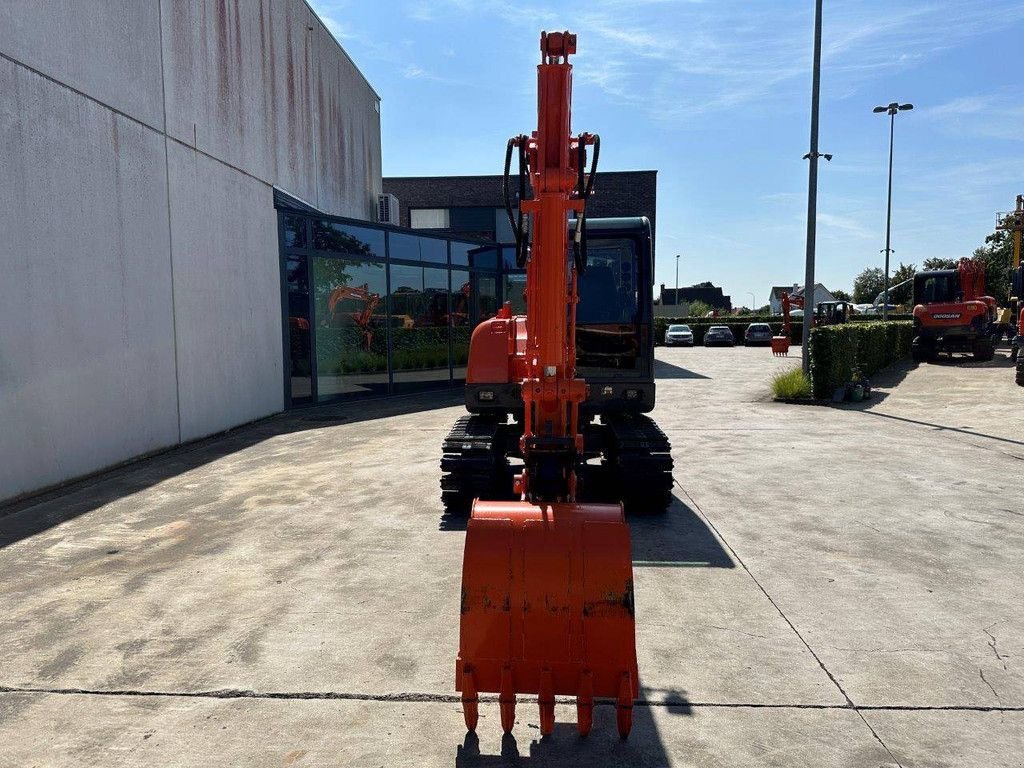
x=341, y=32
x=847, y=225
x=731, y=53
x=989, y=116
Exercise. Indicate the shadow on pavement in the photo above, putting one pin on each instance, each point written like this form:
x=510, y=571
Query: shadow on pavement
x=887, y=378
x=565, y=747
x=679, y=538
x=22, y=518
x=663, y=370
x=943, y=428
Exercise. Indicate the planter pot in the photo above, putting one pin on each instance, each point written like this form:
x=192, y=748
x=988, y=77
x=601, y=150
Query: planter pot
x=839, y=394
x=858, y=393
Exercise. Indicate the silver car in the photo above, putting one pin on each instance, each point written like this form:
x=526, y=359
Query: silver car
x=758, y=333
x=678, y=335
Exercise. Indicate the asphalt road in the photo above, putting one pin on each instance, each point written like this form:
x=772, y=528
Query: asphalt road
x=833, y=586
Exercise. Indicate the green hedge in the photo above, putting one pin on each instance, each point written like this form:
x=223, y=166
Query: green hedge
x=836, y=350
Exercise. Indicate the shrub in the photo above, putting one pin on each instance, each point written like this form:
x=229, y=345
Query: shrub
x=837, y=350
x=791, y=385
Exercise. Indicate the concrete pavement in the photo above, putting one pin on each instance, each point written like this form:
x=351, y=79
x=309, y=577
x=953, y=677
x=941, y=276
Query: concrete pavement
x=832, y=587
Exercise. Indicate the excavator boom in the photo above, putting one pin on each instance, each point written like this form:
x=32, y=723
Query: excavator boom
x=547, y=581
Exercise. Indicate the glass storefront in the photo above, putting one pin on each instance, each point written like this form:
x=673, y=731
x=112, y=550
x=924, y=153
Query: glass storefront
x=350, y=327
x=373, y=310
x=419, y=322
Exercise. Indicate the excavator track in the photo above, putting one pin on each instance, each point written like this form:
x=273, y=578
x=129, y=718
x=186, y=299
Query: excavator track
x=474, y=465
x=638, y=458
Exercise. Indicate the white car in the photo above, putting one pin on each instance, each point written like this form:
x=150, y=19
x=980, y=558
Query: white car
x=678, y=335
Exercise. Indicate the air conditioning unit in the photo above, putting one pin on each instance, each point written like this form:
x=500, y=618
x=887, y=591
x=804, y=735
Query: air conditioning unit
x=387, y=209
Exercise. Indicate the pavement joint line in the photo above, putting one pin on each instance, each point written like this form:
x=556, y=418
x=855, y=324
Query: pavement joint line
x=443, y=698
x=942, y=427
x=849, y=702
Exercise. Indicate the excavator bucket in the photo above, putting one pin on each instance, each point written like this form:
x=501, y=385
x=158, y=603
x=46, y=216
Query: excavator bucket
x=547, y=609
x=780, y=346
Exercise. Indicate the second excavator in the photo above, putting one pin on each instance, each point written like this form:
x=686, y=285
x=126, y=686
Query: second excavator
x=547, y=582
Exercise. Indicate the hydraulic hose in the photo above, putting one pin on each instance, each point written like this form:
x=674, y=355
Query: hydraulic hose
x=516, y=221
x=579, y=243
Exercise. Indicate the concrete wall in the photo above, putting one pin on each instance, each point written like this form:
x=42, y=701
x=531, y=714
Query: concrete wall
x=140, y=291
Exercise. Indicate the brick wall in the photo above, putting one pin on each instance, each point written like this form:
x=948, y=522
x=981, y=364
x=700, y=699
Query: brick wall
x=616, y=193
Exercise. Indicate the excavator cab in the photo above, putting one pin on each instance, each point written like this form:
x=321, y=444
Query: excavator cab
x=832, y=313
x=940, y=286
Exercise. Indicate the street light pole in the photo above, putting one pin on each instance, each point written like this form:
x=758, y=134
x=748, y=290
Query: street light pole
x=812, y=193
x=677, y=280
x=753, y=301
x=891, y=110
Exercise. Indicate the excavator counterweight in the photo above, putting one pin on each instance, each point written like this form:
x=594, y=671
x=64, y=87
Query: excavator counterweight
x=547, y=580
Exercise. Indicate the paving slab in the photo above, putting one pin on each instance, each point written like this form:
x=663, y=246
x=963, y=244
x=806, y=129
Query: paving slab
x=815, y=560
x=943, y=739
x=311, y=556
x=893, y=545
x=134, y=731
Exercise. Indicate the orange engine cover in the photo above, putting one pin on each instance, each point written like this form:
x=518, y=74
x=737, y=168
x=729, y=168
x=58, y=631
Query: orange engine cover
x=547, y=589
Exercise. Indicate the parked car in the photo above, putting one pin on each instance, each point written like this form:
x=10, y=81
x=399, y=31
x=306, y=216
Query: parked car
x=719, y=335
x=758, y=333
x=678, y=335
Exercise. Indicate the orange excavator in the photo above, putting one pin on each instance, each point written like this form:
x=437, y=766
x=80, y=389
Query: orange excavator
x=952, y=313
x=363, y=317
x=826, y=313
x=547, y=579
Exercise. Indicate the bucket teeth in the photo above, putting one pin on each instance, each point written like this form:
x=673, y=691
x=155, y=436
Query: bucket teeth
x=507, y=700
x=546, y=700
x=585, y=704
x=470, y=700
x=624, y=706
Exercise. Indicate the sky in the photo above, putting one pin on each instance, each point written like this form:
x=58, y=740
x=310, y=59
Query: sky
x=715, y=96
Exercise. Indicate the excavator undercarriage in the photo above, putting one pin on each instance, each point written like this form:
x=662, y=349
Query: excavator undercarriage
x=626, y=458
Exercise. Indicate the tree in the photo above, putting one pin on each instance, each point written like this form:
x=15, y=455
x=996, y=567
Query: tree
x=699, y=309
x=997, y=253
x=937, y=262
x=867, y=285
x=841, y=295
x=905, y=293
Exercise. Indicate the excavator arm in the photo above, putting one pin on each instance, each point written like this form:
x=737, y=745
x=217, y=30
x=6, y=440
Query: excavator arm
x=780, y=344
x=547, y=581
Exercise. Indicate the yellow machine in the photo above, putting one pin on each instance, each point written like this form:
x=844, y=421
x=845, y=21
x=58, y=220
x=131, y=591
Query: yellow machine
x=1012, y=222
